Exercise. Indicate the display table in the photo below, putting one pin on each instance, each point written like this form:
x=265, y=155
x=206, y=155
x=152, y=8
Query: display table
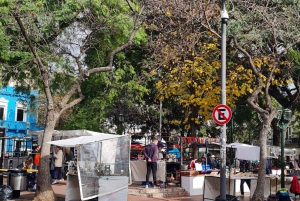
x=139, y=171
x=194, y=184
x=212, y=186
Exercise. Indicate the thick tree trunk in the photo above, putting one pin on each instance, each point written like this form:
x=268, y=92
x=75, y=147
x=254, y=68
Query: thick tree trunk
x=44, y=191
x=276, y=134
x=260, y=188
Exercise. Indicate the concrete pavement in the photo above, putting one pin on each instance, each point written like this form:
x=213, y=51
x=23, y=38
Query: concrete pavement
x=60, y=191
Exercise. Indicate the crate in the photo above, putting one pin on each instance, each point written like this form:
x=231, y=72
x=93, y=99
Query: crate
x=228, y=198
x=207, y=167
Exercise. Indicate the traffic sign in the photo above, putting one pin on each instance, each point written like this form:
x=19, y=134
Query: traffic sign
x=221, y=114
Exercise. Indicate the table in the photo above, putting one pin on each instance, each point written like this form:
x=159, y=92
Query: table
x=139, y=171
x=212, y=186
x=194, y=184
x=28, y=170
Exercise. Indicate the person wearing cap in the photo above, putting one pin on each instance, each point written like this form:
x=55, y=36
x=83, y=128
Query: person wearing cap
x=211, y=161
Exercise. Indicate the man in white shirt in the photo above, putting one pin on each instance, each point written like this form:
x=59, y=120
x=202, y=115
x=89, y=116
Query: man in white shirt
x=58, y=156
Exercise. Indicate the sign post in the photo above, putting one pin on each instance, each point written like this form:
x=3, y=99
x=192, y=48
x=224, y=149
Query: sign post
x=224, y=19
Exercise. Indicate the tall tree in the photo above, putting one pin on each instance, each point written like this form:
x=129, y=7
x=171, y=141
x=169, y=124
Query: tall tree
x=263, y=32
x=46, y=43
x=186, y=59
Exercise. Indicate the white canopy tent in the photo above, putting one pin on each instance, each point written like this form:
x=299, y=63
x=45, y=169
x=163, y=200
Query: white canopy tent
x=243, y=151
x=102, y=165
x=95, y=137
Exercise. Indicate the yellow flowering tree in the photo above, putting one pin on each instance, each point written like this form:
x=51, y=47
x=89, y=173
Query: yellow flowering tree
x=196, y=85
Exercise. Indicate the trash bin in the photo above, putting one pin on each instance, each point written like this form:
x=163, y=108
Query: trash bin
x=228, y=198
x=16, y=179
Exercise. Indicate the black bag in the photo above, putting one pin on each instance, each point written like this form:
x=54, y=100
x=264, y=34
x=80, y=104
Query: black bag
x=5, y=192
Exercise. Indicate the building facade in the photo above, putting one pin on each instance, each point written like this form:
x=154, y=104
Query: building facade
x=16, y=119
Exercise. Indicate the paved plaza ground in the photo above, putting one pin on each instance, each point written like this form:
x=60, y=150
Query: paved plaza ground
x=60, y=191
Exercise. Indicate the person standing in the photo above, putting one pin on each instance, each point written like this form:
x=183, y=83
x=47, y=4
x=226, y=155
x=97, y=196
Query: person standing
x=58, y=156
x=36, y=154
x=244, y=167
x=151, y=156
x=68, y=155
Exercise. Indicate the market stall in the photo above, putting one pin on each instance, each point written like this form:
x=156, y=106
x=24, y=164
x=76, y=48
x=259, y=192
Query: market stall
x=193, y=180
x=139, y=170
x=233, y=176
x=101, y=169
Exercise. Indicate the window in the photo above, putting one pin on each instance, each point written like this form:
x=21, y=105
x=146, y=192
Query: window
x=1, y=113
x=20, y=115
x=20, y=112
x=3, y=108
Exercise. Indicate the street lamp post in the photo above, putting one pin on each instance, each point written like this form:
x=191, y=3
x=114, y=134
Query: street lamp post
x=224, y=19
x=283, y=120
x=122, y=119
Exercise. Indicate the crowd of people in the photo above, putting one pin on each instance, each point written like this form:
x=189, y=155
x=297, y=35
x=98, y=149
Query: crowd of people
x=57, y=158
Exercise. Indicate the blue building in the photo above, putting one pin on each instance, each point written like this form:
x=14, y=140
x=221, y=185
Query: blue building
x=16, y=119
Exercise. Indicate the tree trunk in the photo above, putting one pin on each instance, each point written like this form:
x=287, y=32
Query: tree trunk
x=193, y=134
x=260, y=188
x=276, y=134
x=44, y=191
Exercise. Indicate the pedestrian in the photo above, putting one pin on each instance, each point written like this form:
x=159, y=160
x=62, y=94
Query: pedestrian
x=36, y=154
x=151, y=155
x=58, y=155
x=68, y=155
x=244, y=167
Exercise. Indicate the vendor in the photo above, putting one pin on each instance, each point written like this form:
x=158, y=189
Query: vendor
x=211, y=161
x=173, y=150
x=192, y=164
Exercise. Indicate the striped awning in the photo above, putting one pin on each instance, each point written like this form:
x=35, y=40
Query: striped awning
x=200, y=140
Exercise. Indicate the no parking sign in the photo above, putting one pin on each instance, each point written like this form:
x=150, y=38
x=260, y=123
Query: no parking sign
x=221, y=114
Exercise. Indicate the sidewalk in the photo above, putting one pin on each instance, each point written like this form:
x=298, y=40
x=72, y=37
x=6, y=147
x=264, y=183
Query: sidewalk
x=60, y=191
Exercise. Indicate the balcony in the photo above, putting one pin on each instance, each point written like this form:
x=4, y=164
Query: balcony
x=15, y=125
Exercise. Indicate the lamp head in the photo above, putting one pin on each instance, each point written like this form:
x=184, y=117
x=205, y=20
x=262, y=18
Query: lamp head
x=287, y=115
x=279, y=114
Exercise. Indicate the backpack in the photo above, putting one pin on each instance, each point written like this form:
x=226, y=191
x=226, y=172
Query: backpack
x=283, y=195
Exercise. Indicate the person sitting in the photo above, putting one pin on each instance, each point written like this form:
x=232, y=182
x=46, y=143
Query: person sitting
x=192, y=164
x=31, y=177
x=27, y=164
x=173, y=150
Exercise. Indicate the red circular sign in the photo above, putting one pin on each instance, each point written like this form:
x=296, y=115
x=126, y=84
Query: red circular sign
x=221, y=114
